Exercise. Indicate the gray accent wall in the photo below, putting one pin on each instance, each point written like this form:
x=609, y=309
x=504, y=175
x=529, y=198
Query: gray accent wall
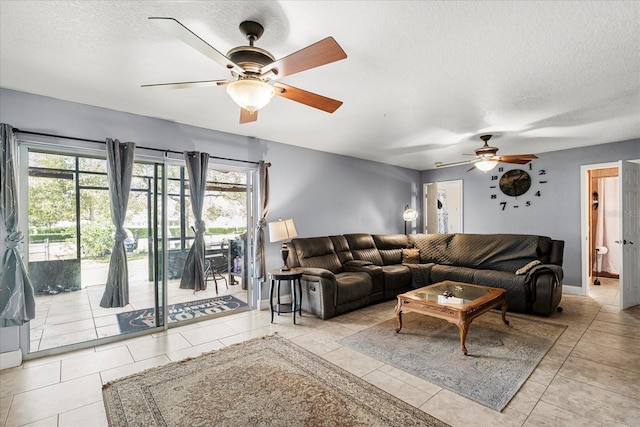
x=556, y=213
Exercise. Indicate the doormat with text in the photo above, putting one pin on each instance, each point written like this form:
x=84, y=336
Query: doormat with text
x=139, y=320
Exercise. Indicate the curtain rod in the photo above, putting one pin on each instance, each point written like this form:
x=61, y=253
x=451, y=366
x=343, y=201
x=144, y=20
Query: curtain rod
x=28, y=132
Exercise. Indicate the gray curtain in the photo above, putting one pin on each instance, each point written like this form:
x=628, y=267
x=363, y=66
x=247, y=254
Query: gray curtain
x=193, y=273
x=259, y=271
x=17, y=303
x=119, y=171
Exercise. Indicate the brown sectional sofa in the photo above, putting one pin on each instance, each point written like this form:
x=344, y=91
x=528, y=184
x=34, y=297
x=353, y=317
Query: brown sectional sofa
x=346, y=272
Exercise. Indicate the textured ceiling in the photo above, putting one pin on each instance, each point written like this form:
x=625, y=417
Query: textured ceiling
x=422, y=80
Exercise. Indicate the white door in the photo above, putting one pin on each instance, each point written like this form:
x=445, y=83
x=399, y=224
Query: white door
x=431, y=208
x=629, y=234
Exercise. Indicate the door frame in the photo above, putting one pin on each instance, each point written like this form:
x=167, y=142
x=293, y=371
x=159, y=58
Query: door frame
x=585, y=205
x=428, y=211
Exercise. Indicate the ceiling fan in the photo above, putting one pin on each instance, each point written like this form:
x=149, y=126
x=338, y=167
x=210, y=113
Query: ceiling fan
x=487, y=158
x=253, y=69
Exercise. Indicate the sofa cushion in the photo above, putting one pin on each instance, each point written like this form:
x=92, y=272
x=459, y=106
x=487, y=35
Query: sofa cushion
x=440, y=273
x=515, y=286
x=341, y=248
x=504, y=252
x=317, y=252
x=411, y=256
x=363, y=247
x=352, y=286
x=396, y=277
x=390, y=247
x=433, y=247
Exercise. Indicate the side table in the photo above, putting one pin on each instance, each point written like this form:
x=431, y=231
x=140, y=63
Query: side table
x=293, y=276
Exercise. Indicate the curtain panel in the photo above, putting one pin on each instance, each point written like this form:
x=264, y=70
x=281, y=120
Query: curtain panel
x=193, y=274
x=119, y=172
x=17, y=302
x=259, y=270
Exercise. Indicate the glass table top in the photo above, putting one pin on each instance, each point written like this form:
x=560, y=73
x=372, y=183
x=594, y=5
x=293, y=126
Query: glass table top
x=456, y=290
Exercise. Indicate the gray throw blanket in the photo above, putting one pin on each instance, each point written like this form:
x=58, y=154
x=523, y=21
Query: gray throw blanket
x=420, y=274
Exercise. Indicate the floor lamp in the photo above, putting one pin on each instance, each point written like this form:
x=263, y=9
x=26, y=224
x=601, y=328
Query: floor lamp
x=409, y=214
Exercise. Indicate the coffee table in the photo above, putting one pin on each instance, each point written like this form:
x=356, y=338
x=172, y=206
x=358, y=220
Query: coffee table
x=475, y=300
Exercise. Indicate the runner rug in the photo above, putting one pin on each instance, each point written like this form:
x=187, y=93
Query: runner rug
x=267, y=381
x=139, y=320
x=500, y=359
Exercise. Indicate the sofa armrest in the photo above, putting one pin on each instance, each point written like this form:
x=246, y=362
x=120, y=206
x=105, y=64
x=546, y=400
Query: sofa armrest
x=319, y=292
x=314, y=274
x=544, y=288
x=357, y=263
x=545, y=269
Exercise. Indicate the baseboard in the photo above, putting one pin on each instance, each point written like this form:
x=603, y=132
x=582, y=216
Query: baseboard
x=10, y=359
x=572, y=290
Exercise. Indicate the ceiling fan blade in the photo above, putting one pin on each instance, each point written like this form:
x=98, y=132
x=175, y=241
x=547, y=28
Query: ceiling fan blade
x=308, y=98
x=186, y=85
x=462, y=162
x=323, y=52
x=519, y=156
x=515, y=161
x=247, y=117
x=471, y=168
x=176, y=29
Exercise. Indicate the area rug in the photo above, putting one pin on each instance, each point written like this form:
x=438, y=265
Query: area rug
x=500, y=359
x=139, y=320
x=267, y=381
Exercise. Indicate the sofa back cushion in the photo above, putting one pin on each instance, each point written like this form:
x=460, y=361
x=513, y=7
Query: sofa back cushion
x=341, y=247
x=317, y=252
x=390, y=247
x=434, y=248
x=363, y=247
x=503, y=252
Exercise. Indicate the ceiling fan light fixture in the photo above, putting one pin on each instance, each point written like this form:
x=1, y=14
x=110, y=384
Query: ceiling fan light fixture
x=486, y=165
x=250, y=94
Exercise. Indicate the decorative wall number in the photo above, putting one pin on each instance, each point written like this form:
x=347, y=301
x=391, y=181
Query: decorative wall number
x=515, y=183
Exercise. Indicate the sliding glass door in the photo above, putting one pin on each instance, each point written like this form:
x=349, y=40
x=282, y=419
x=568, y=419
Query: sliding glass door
x=71, y=236
x=70, y=240
x=225, y=213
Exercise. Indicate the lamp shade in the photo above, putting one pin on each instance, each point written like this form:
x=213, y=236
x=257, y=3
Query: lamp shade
x=282, y=230
x=409, y=214
x=250, y=94
x=486, y=165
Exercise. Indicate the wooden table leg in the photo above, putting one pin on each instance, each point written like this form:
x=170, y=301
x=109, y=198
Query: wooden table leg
x=271, y=286
x=399, y=315
x=504, y=311
x=464, y=328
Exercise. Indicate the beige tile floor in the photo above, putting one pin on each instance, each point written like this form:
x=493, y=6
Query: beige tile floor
x=591, y=377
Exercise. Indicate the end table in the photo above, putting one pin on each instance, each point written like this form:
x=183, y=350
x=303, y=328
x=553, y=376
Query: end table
x=293, y=276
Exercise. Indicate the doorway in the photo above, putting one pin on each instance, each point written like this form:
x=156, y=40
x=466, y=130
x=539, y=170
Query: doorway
x=604, y=234
x=443, y=207
x=624, y=215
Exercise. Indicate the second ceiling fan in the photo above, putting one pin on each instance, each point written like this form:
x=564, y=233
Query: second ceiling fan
x=253, y=68
x=487, y=158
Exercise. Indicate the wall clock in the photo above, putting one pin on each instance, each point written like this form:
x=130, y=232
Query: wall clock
x=518, y=187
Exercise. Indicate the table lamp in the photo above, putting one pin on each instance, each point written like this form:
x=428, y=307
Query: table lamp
x=280, y=231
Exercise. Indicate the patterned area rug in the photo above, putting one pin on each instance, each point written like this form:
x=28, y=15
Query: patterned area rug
x=267, y=381
x=139, y=320
x=500, y=359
